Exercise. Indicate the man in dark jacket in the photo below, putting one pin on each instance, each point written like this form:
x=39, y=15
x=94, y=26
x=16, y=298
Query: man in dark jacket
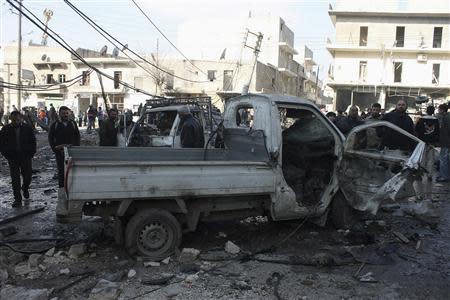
x=18, y=146
x=346, y=124
x=108, y=130
x=393, y=139
x=191, y=135
x=444, y=140
x=63, y=132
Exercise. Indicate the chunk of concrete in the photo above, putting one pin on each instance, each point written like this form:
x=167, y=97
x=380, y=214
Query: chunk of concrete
x=22, y=269
x=77, y=250
x=232, y=248
x=131, y=273
x=3, y=275
x=105, y=290
x=65, y=271
x=188, y=255
x=50, y=252
x=151, y=264
x=19, y=293
x=34, y=260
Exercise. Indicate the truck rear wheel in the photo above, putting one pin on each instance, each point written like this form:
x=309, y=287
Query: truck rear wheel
x=153, y=233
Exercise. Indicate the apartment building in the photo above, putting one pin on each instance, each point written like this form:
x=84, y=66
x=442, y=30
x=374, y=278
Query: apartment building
x=383, y=53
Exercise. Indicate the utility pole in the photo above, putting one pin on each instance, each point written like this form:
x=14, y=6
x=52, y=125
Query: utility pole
x=256, y=51
x=19, y=58
x=317, y=82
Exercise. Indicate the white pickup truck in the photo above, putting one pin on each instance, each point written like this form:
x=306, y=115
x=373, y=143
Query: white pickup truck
x=281, y=158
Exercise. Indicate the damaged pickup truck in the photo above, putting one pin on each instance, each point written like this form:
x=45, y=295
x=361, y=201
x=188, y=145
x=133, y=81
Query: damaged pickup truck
x=282, y=158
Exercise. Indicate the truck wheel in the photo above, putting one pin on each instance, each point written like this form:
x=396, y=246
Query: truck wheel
x=342, y=215
x=153, y=233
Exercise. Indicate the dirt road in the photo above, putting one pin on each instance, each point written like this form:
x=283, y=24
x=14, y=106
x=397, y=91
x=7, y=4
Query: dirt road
x=393, y=255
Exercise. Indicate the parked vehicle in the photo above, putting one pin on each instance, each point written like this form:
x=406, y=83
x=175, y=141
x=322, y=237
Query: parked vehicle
x=281, y=158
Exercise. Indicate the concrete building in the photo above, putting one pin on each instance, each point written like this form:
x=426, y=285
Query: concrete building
x=383, y=52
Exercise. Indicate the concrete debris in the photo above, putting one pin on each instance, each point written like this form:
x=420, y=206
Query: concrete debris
x=232, y=248
x=20, y=293
x=105, y=290
x=163, y=279
x=3, y=275
x=368, y=277
x=152, y=264
x=115, y=277
x=64, y=271
x=172, y=292
x=34, y=260
x=92, y=255
x=131, y=273
x=190, y=279
x=59, y=254
x=241, y=285
x=189, y=268
x=50, y=252
x=221, y=235
x=77, y=250
x=7, y=231
x=166, y=261
x=401, y=237
x=188, y=255
x=42, y=268
x=22, y=269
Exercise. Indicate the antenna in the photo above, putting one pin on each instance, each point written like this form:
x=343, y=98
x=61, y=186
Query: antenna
x=103, y=50
x=115, y=52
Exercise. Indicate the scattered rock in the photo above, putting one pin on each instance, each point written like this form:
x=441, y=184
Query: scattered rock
x=77, y=250
x=191, y=278
x=158, y=280
x=19, y=293
x=3, y=275
x=34, y=260
x=105, y=290
x=221, y=235
x=173, y=292
x=115, y=277
x=65, y=271
x=50, y=252
x=166, y=261
x=131, y=273
x=189, y=268
x=232, y=248
x=42, y=268
x=241, y=285
x=401, y=237
x=368, y=277
x=22, y=269
x=92, y=255
x=188, y=255
x=59, y=254
x=151, y=264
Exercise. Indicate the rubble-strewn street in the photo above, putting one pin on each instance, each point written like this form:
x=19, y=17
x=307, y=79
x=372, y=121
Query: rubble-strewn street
x=401, y=253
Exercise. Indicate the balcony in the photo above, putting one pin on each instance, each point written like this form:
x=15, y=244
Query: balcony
x=287, y=48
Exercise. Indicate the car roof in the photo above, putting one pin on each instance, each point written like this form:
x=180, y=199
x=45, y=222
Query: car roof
x=277, y=98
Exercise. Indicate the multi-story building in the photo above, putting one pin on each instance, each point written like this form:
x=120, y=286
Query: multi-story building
x=383, y=52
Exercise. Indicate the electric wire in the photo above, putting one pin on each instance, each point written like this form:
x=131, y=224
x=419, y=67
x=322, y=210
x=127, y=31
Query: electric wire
x=167, y=39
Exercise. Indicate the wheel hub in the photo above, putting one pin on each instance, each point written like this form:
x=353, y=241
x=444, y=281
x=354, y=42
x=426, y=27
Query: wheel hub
x=153, y=236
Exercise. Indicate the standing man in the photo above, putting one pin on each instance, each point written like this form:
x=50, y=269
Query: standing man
x=444, y=140
x=63, y=132
x=108, y=130
x=346, y=124
x=18, y=146
x=191, y=135
x=394, y=139
x=375, y=113
x=52, y=117
x=91, y=115
x=100, y=116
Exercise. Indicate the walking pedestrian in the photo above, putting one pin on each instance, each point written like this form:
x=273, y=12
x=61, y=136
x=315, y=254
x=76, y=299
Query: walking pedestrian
x=108, y=130
x=100, y=116
x=18, y=146
x=63, y=132
x=394, y=139
x=91, y=115
x=52, y=116
x=444, y=141
x=191, y=135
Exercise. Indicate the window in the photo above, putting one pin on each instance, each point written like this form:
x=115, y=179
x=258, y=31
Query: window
x=211, y=75
x=49, y=79
x=435, y=75
x=363, y=32
x=62, y=78
x=117, y=79
x=363, y=70
x=398, y=72
x=85, y=78
x=228, y=80
x=244, y=116
x=400, y=36
x=437, y=37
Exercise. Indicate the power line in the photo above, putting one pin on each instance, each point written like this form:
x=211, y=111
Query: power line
x=179, y=51
x=92, y=23
x=66, y=46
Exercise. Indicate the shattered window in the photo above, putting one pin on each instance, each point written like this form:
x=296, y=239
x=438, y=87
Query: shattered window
x=244, y=116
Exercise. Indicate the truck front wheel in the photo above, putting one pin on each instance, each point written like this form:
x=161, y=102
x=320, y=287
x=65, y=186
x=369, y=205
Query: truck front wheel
x=153, y=233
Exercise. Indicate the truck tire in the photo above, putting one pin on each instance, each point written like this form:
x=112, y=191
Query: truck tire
x=342, y=215
x=153, y=233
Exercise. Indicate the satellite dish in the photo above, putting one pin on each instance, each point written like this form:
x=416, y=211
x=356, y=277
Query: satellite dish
x=103, y=50
x=44, y=57
x=125, y=47
x=115, y=52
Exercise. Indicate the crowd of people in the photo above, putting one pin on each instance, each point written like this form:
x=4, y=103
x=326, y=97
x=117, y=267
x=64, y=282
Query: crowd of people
x=18, y=140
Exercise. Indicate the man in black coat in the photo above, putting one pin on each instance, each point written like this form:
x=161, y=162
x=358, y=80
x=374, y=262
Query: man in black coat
x=393, y=139
x=63, y=132
x=346, y=124
x=191, y=135
x=108, y=129
x=18, y=146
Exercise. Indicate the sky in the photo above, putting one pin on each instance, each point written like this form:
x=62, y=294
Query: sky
x=307, y=18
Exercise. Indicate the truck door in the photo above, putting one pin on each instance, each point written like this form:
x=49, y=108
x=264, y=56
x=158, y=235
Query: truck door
x=373, y=169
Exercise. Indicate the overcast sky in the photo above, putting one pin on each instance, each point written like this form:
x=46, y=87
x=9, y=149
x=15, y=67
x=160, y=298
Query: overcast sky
x=307, y=18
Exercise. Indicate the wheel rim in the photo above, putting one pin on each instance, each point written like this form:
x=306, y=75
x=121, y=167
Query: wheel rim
x=154, y=237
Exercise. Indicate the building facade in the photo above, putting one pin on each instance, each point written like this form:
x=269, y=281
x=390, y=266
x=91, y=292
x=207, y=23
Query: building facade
x=379, y=56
